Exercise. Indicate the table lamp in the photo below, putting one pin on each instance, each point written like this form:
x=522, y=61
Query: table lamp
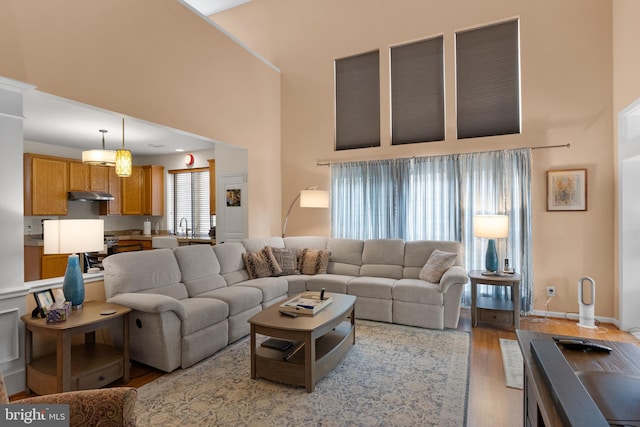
x=73, y=236
x=491, y=227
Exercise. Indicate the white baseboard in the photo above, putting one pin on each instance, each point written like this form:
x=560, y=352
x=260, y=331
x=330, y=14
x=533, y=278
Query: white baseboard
x=573, y=316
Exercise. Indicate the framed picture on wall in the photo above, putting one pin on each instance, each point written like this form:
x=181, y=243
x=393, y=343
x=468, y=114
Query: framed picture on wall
x=567, y=190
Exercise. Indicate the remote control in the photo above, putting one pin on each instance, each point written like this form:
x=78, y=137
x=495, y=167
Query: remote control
x=288, y=313
x=322, y=295
x=578, y=344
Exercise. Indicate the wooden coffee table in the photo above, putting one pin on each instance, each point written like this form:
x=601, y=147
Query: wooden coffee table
x=327, y=336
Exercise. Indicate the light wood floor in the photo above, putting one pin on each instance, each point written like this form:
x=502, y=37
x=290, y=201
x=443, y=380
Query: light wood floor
x=491, y=402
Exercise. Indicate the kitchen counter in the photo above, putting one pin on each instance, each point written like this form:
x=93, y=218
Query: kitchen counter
x=148, y=237
x=33, y=240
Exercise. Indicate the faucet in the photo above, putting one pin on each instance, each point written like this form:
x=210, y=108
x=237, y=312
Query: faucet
x=186, y=225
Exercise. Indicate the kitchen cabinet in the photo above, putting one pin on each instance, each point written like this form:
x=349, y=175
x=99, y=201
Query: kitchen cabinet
x=132, y=189
x=78, y=176
x=39, y=266
x=99, y=178
x=114, y=184
x=84, y=177
x=46, y=185
x=153, y=194
x=142, y=193
x=212, y=186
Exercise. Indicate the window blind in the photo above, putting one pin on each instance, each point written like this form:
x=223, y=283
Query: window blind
x=357, y=86
x=488, y=80
x=189, y=195
x=417, y=92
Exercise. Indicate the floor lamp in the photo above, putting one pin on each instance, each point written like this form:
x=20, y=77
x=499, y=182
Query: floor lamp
x=310, y=197
x=491, y=227
x=73, y=236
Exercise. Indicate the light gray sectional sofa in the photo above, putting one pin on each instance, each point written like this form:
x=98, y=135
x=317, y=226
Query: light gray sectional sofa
x=192, y=301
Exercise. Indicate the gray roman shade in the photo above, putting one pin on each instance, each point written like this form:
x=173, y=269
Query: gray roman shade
x=488, y=80
x=357, y=81
x=417, y=92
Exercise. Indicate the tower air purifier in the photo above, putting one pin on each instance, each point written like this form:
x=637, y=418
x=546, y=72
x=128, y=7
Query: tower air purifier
x=587, y=310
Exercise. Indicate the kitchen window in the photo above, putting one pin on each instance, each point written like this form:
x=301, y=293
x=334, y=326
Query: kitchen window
x=188, y=196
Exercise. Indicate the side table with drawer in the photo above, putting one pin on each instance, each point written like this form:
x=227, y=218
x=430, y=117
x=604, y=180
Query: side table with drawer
x=488, y=309
x=78, y=367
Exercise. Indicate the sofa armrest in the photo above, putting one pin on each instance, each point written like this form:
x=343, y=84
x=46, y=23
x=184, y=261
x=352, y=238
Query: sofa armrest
x=108, y=406
x=454, y=275
x=150, y=303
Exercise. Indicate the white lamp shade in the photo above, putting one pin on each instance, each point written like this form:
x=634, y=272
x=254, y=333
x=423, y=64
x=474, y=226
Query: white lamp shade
x=99, y=157
x=314, y=199
x=73, y=236
x=491, y=226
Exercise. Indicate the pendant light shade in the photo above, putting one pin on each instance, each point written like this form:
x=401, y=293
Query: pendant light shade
x=99, y=157
x=123, y=159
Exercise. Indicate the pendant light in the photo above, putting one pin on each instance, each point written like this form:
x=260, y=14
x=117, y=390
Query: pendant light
x=123, y=159
x=99, y=157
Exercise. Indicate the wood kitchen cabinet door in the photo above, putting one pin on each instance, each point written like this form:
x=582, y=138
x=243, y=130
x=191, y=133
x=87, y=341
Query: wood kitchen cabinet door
x=54, y=265
x=79, y=179
x=99, y=178
x=212, y=186
x=46, y=184
x=114, y=187
x=132, y=192
x=153, y=195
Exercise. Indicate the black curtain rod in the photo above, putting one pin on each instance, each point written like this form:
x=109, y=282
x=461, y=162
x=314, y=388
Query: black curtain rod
x=539, y=147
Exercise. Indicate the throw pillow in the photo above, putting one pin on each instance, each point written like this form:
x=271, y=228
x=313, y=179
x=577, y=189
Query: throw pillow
x=261, y=263
x=287, y=260
x=436, y=265
x=313, y=261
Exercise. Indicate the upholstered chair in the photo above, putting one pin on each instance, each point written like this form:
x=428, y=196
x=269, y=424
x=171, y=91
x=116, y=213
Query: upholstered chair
x=100, y=407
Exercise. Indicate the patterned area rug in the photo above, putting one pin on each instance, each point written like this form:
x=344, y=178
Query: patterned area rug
x=393, y=376
x=512, y=363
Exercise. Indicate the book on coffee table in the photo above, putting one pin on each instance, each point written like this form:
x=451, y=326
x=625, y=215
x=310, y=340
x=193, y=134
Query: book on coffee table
x=306, y=303
x=277, y=344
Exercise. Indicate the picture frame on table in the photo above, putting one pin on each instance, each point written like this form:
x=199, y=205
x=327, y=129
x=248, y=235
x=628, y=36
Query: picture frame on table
x=43, y=300
x=567, y=190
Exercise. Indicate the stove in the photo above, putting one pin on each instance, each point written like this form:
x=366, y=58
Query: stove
x=111, y=243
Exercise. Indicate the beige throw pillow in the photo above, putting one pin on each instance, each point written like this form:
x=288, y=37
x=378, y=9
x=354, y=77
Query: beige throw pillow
x=261, y=263
x=436, y=265
x=313, y=261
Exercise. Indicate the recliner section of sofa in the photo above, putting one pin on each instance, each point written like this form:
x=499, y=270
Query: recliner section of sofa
x=191, y=301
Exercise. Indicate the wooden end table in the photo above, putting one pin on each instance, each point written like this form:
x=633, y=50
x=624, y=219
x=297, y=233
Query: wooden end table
x=495, y=310
x=78, y=367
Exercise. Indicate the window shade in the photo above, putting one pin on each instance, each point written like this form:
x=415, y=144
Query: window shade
x=357, y=80
x=417, y=92
x=488, y=80
x=189, y=194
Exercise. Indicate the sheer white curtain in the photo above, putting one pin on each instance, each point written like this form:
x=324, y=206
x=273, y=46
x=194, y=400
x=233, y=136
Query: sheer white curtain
x=435, y=198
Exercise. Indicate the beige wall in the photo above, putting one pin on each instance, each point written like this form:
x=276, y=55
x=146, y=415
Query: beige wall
x=566, y=98
x=158, y=61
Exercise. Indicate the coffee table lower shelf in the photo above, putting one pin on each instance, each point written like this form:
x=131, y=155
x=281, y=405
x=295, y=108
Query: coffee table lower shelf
x=330, y=350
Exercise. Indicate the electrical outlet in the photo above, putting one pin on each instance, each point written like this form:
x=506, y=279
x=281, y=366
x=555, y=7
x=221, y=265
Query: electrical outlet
x=551, y=291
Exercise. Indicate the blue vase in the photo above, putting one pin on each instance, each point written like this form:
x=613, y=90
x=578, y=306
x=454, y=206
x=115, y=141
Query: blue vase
x=73, y=285
x=491, y=258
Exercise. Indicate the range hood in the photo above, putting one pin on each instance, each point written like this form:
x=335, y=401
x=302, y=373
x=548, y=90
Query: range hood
x=90, y=196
